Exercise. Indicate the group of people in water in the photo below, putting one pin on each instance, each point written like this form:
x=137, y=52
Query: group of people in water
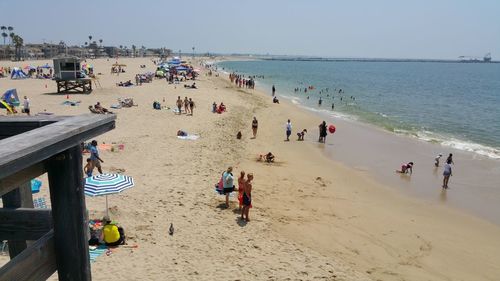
x=447, y=171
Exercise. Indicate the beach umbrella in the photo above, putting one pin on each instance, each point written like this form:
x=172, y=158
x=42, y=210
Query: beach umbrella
x=106, y=184
x=331, y=129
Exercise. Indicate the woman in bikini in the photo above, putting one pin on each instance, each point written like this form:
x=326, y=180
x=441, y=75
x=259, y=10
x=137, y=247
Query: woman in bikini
x=247, y=198
x=241, y=188
x=255, y=125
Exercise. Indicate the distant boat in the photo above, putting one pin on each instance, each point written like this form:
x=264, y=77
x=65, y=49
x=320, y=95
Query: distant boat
x=486, y=58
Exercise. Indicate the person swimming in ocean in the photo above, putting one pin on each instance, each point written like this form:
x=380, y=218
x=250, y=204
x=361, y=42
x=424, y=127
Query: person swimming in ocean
x=320, y=101
x=333, y=106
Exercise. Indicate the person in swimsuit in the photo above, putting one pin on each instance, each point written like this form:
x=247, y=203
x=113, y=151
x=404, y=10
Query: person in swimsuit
x=186, y=105
x=405, y=168
x=446, y=173
x=247, y=198
x=241, y=188
x=191, y=106
x=255, y=125
x=179, y=104
x=450, y=159
x=228, y=183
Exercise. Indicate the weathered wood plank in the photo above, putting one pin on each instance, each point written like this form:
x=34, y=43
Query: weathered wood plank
x=37, y=262
x=17, y=198
x=11, y=126
x=24, y=223
x=68, y=210
x=23, y=150
x=13, y=181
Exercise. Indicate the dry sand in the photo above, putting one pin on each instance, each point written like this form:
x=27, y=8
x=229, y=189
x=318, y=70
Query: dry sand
x=312, y=218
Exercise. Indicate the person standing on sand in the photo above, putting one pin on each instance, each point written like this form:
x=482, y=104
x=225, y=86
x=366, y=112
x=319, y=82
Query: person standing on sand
x=247, y=198
x=241, y=188
x=94, y=157
x=255, y=125
x=228, y=183
x=447, y=173
x=26, y=105
x=288, y=127
x=179, y=104
x=322, y=132
x=436, y=160
x=450, y=159
x=274, y=90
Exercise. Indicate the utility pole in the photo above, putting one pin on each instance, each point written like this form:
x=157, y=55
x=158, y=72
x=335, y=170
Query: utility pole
x=193, y=52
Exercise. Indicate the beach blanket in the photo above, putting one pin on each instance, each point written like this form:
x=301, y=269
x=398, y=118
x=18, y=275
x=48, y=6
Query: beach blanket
x=71, y=103
x=189, y=137
x=94, y=253
x=44, y=113
x=176, y=110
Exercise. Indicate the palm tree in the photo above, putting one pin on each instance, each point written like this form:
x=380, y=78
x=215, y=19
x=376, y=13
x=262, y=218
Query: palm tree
x=90, y=38
x=4, y=35
x=11, y=31
x=18, y=43
x=133, y=50
x=86, y=43
x=100, y=41
x=11, y=35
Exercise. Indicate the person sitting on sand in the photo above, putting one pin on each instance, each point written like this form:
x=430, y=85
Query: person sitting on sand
x=112, y=235
x=269, y=157
x=221, y=108
x=276, y=100
x=301, y=135
x=214, y=107
x=95, y=111
x=406, y=168
x=181, y=133
x=99, y=108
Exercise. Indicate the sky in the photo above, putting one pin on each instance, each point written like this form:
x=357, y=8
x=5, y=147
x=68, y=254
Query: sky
x=432, y=29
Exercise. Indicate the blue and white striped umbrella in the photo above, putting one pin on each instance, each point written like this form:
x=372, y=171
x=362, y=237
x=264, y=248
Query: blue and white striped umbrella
x=106, y=184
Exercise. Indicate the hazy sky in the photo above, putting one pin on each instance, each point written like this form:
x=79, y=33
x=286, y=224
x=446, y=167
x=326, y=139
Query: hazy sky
x=369, y=28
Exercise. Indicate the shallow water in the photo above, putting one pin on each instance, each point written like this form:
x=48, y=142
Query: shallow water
x=453, y=104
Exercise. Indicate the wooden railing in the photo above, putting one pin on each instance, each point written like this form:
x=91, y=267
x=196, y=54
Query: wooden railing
x=30, y=147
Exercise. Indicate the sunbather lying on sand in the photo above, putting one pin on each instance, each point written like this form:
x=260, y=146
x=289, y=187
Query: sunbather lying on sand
x=193, y=86
x=99, y=108
x=125, y=84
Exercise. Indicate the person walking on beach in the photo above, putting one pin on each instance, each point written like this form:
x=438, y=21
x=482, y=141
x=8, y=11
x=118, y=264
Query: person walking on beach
x=228, y=183
x=179, y=104
x=288, y=127
x=255, y=125
x=274, y=90
x=447, y=173
x=322, y=132
x=186, y=105
x=247, y=198
x=94, y=157
x=191, y=106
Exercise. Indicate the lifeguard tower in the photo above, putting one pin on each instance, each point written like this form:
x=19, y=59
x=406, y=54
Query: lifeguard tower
x=69, y=78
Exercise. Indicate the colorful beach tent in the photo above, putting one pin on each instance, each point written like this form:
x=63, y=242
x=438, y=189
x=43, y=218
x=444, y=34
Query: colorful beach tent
x=17, y=73
x=11, y=97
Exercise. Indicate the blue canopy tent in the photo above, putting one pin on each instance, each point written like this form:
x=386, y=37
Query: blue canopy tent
x=45, y=66
x=11, y=97
x=17, y=73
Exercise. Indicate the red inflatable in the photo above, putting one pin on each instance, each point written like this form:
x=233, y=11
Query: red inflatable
x=331, y=129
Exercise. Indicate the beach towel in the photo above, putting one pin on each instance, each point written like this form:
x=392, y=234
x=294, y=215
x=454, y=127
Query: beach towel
x=44, y=113
x=176, y=110
x=116, y=106
x=189, y=137
x=71, y=103
x=94, y=253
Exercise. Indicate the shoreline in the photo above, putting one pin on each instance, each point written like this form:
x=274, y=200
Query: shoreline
x=313, y=217
x=474, y=184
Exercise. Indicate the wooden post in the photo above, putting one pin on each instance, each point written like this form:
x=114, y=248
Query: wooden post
x=68, y=210
x=18, y=198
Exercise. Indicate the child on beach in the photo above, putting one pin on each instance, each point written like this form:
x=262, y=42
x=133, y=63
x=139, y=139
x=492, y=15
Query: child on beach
x=436, y=160
x=247, y=198
x=301, y=135
x=241, y=188
x=288, y=127
x=228, y=185
x=88, y=168
x=405, y=168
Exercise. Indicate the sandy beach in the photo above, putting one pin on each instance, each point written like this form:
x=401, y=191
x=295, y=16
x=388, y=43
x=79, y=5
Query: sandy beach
x=313, y=218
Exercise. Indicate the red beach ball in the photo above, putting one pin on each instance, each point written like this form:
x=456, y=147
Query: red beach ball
x=331, y=129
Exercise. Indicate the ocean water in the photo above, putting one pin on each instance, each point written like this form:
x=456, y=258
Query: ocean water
x=453, y=104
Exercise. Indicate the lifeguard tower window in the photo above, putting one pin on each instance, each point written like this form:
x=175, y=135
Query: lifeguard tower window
x=68, y=66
